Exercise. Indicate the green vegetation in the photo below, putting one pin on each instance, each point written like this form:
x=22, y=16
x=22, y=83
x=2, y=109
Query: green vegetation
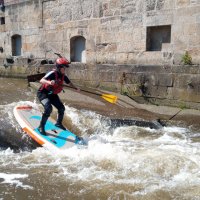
x=183, y=106
x=186, y=59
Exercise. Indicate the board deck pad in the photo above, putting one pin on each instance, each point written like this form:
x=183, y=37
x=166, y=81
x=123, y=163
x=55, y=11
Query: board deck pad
x=29, y=118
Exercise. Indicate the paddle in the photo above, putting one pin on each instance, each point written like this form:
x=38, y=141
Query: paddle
x=108, y=97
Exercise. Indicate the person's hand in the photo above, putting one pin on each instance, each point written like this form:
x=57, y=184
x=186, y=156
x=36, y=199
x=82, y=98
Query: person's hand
x=52, y=82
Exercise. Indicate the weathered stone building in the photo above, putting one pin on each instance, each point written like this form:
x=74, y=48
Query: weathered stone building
x=135, y=46
x=109, y=31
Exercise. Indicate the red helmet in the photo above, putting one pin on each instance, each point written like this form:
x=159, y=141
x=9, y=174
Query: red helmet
x=62, y=62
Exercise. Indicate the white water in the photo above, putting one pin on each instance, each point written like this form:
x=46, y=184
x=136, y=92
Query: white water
x=122, y=163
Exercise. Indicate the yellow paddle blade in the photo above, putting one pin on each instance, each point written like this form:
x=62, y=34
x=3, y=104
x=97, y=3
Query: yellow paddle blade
x=109, y=97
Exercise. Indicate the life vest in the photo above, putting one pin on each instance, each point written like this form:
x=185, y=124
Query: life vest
x=57, y=87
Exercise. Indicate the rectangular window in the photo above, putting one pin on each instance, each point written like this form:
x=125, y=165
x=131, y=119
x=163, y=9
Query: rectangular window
x=2, y=20
x=156, y=36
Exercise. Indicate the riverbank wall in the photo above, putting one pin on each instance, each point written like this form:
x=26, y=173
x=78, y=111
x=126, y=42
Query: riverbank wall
x=168, y=85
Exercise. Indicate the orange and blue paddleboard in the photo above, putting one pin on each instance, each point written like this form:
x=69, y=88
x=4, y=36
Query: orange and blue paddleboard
x=29, y=118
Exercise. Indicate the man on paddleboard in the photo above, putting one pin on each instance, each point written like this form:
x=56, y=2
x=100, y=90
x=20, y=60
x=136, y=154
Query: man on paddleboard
x=52, y=85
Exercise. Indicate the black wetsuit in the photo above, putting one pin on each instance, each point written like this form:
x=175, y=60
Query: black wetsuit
x=47, y=98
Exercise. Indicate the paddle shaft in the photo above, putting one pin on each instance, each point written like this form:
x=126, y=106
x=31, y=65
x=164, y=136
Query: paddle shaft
x=83, y=90
x=37, y=77
x=108, y=97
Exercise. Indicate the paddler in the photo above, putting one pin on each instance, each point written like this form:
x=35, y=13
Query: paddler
x=52, y=85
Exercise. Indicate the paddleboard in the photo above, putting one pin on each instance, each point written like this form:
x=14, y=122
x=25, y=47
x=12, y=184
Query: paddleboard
x=29, y=118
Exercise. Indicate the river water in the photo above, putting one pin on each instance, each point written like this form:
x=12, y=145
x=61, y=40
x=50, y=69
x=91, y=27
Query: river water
x=127, y=162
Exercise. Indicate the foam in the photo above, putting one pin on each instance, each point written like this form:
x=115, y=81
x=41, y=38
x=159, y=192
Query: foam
x=151, y=159
x=12, y=179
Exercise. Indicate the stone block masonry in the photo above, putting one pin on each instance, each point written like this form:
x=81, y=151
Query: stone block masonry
x=107, y=37
x=115, y=31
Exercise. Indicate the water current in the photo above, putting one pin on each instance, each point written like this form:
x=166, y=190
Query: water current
x=126, y=162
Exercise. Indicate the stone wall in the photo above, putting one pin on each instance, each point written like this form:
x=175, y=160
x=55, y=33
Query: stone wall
x=161, y=85
x=115, y=30
x=116, y=41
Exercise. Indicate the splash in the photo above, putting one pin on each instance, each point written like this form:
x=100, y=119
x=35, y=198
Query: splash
x=131, y=162
x=13, y=179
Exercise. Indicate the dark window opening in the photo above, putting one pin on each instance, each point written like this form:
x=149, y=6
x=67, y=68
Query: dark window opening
x=16, y=45
x=2, y=7
x=10, y=60
x=2, y=20
x=156, y=36
x=77, y=49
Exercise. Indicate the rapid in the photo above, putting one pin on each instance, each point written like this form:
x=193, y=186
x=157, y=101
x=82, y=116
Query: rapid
x=127, y=162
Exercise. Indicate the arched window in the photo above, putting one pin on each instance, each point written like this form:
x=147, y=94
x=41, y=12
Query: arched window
x=77, y=49
x=16, y=45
